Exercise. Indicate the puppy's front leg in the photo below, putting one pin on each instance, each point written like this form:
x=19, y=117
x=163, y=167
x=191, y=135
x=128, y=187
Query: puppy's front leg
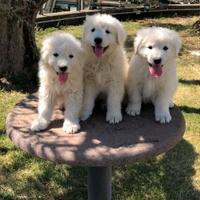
x=72, y=112
x=45, y=109
x=162, y=113
x=135, y=101
x=114, y=99
x=88, y=100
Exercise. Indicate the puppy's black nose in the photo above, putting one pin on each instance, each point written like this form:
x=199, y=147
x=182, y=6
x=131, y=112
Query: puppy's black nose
x=157, y=61
x=63, y=68
x=98, y=40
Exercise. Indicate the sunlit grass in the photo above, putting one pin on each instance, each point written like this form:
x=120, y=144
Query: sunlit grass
x=171, y=176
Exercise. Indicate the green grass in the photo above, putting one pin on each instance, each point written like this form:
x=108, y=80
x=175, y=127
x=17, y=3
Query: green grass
x=171, y=176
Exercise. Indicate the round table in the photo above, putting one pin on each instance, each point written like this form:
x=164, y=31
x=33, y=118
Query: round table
x=98, y=145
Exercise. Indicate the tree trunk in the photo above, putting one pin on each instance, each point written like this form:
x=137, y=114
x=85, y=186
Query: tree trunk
x=18, y=52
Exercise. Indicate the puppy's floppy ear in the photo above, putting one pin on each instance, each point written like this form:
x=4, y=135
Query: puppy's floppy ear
x=137, y=43
x=121, y=34
x=176, y=41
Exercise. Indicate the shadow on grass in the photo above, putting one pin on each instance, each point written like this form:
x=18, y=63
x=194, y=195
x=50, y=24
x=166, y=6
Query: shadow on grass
x=23, y=82
x=53, y=182
x=190, y=109
x=4, y=148
x=167, y=177
x=190, y=82
x=178, y=167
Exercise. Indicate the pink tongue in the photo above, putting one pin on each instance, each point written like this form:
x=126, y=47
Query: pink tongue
x=98, y=51
x=155, y=70
x=62, y=77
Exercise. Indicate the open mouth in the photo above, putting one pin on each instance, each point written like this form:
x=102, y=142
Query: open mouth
x=99, y=50
x=155, y=70
x=62, y=77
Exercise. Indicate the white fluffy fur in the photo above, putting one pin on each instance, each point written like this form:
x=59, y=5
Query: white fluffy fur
x=51, y=91
x=141, y=85
x=107, y=73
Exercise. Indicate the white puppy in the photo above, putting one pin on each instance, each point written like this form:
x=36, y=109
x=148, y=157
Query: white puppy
x=106, y=64
x=152, y=74
x=61, y=81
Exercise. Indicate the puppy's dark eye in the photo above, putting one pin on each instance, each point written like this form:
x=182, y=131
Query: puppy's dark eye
x=107, y=31
x=71, y=56
x=55, y=54
x=92, y=30
x=165, y=48
x=150, y=47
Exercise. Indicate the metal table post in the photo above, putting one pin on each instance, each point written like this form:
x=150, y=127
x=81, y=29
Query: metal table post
x=99, y=183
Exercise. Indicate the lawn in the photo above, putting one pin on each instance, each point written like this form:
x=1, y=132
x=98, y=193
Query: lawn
x=171, y=176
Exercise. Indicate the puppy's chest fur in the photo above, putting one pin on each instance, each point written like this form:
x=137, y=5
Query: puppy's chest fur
x=101, y=73
x=150, y=87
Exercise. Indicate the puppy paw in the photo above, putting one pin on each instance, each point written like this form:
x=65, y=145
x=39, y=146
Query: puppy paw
x=133, y=109
x=39, y=124
x=163, y=117
x=114, y=118
x=70, y=127
x=85, y=115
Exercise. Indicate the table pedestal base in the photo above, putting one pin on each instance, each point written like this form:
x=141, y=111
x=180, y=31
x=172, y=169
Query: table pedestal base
x=99, y=183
